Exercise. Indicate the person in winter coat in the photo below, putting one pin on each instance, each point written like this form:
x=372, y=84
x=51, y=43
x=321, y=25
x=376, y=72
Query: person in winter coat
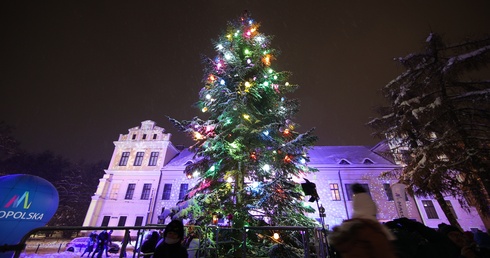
x=101, y=243
x=90, y=244
x=108, y=242
x=364, y=207
x=125, y=241
x=362, y=235
x=171, y=246
x=150, y=244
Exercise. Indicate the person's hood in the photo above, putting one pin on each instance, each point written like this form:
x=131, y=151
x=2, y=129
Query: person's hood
x=175, y=226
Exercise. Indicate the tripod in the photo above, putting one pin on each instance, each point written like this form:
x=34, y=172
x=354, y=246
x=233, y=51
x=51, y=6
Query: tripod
x=309, y=188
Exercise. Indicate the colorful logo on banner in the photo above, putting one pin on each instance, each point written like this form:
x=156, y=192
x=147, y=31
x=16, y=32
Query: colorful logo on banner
x=16, y=201
x=26, y=202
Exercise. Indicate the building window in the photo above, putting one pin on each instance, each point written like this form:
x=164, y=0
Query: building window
x=430, y=210
x=130, y=191
x=183, y=191
x=144, y=136
x=145, y=195
x=114, y=192
x=139, y=158
x=348, y=190
x=105, y=221
x=154, y=136
x=134, y=136
x=124, y=158
x=122, y=221
x=388, y=191
x=334, y=190
x=451, y=208
x=153, y=158
x=167, y=189
x=138, y=221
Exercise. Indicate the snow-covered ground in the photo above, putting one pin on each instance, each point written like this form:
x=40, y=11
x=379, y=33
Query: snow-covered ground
x=61, y=254
x=40, y=247
x=46, y=248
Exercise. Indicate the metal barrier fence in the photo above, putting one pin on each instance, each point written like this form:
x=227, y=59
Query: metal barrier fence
x=205, y=248
x=302, y=230
x=83, y=230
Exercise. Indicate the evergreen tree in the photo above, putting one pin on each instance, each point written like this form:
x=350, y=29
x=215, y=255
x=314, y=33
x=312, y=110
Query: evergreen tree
x=250, y=149
x=9, y=146
x=75, y=182
x=438, y=122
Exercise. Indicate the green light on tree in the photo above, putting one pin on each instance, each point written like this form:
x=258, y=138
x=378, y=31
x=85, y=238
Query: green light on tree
x=249, y=136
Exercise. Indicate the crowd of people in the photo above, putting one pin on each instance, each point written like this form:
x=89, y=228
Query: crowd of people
x=363, y=236
x=358, y=237
x=168, y=245
x=98, y=243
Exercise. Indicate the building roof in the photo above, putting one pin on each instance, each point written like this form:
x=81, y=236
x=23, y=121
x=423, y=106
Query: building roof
x=346, y=155
x=320, y=156
x=182, y=158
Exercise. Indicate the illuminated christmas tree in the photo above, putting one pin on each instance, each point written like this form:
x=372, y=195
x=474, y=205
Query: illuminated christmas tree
x=250, y=149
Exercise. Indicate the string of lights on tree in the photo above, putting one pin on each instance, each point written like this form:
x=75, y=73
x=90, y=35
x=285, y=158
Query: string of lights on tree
x=248, y=147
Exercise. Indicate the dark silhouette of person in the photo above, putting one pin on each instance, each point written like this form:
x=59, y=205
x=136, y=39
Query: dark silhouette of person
x=108, y=242
x=148, y=247
x=92, y=239
x=125, y=242
x=101, y=243
x=362, y=235
x=171, y=246
x=482, y=239
x=465, y=247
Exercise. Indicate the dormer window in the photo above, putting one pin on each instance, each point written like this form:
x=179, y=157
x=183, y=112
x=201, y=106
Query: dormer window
x=367, y=162
x=344, y=162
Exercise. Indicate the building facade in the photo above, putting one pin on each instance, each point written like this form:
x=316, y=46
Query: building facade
x=144, y=182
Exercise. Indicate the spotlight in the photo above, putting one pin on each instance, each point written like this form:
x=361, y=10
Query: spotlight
x=309, y=188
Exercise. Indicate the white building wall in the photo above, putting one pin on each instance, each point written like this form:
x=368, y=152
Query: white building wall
x=110, y=198
x=175, y=177
x=338, y=210
x=467, y=220
x=111, y=202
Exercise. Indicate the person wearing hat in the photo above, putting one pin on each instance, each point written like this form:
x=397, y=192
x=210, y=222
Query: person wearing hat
x=171, y=246
x=362, y=236
x=363, y=207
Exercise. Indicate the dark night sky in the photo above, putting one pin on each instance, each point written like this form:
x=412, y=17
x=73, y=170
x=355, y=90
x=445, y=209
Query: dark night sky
x=76, y=74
